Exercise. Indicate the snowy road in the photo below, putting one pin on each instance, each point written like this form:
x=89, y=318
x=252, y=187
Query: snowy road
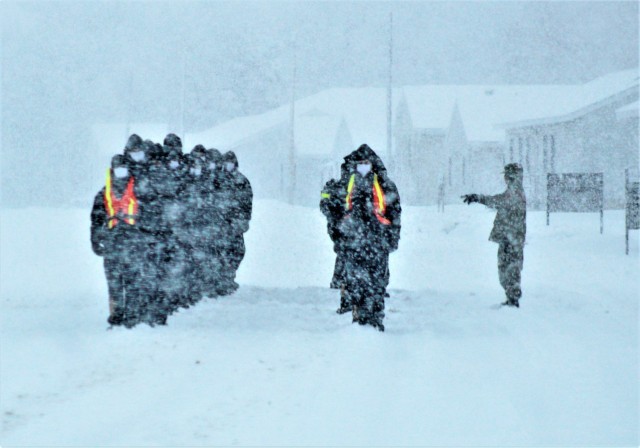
x=274, y=365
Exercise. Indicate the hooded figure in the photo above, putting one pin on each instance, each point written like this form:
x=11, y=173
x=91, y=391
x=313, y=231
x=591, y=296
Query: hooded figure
x=134, y=141
x=115, y=236
x=212, y=220
x=159, y=189
x=139, y=160
x=234, y=203
x=509, y=230
x=173, y=258
x=369, y=231
x=332, y=207
x=192, y=229
x=172, y=141
x=200, y=153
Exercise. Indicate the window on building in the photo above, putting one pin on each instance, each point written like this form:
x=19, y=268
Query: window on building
x=528, y=155
x=552, y=143
x=464, y=168
x=520, y=149
x=545, y=153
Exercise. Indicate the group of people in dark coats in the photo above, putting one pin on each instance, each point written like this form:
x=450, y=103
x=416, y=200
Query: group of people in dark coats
x=170, y=227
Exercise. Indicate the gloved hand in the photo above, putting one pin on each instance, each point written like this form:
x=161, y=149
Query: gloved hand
x=469, y=198
x=240, y=226
x=98, y=248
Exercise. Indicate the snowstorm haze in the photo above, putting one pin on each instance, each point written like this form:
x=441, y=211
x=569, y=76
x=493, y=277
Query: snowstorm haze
x=69, y=65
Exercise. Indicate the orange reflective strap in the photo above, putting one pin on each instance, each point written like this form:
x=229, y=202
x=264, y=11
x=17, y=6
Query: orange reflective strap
x=133, y=204
x=379, y=195
x=127, y=203
x=379, y=205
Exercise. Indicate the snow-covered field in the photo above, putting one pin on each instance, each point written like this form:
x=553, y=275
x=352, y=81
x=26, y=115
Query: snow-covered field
x=274, y=365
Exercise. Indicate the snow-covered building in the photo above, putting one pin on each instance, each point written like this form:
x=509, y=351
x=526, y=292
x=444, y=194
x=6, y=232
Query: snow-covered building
x=587, y=128
x=458, y=136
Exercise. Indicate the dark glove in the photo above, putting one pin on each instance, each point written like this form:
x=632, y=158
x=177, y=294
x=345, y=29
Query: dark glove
x=469, y=198
x=98, y=248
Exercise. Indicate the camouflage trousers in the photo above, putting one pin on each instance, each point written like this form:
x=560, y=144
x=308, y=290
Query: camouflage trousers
x=510, y=261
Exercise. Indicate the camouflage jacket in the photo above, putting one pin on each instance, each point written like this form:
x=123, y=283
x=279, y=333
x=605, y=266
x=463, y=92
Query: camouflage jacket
x=510, y=224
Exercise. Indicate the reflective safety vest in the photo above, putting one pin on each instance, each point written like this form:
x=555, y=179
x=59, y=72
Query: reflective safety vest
x=379, y=203
x=125, y=208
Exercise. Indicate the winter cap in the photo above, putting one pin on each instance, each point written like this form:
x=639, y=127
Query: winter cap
x=199, y=151
x=118, y=161
x=213, y=155
x=513, y=170
x=133, y=143
x=154, y=151
x=173, y=140
x=230, y=157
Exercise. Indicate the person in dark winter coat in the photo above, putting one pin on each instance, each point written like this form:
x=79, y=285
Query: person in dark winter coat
x=172, y=141
x=234, y=206
x=370, y=231
x=133, y=143
x=156, y=186
x=509, y=230
x=193, y=229
x=174, y=257
x=332, y=207
x=212, y=218
x=115, y=236
x=200, y=153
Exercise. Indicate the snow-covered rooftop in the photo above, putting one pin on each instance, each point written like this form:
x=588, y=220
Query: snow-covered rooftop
x=628, y=111
x=486, y=110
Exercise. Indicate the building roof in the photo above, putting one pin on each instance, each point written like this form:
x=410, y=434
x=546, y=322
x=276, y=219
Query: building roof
x=628, y=111
x=570, y=102
x=486, y=111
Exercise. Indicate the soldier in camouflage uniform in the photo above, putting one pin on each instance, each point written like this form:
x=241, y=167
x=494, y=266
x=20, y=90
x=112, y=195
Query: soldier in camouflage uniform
x=509, y=230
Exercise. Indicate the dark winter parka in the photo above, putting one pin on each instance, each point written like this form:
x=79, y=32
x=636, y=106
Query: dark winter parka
x=235, y=197
x=332, y=207
x=115, y=214
x=375, y=225
x=194, y=198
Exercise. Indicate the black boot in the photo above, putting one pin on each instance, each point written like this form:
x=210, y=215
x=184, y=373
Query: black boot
x=345, y=303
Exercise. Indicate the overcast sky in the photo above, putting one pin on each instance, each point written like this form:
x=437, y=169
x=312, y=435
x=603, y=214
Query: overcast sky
x=68, y=64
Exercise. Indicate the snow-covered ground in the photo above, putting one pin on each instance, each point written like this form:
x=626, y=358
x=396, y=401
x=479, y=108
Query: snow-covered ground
x=274, y=365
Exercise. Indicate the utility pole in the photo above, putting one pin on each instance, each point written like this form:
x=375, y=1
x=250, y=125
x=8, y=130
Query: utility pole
x=127, y=130
x=292, y=122
x=390, y=95
x=184, y=93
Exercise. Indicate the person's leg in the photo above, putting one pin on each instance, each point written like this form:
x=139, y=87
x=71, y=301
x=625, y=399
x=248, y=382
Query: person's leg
x=509, y=272
x=116, y=291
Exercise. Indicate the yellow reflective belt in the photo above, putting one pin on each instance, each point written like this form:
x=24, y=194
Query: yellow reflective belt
x=376, y=185
x=352, y=182
x=132, y=203
x=109, y=203
x=325, y=195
